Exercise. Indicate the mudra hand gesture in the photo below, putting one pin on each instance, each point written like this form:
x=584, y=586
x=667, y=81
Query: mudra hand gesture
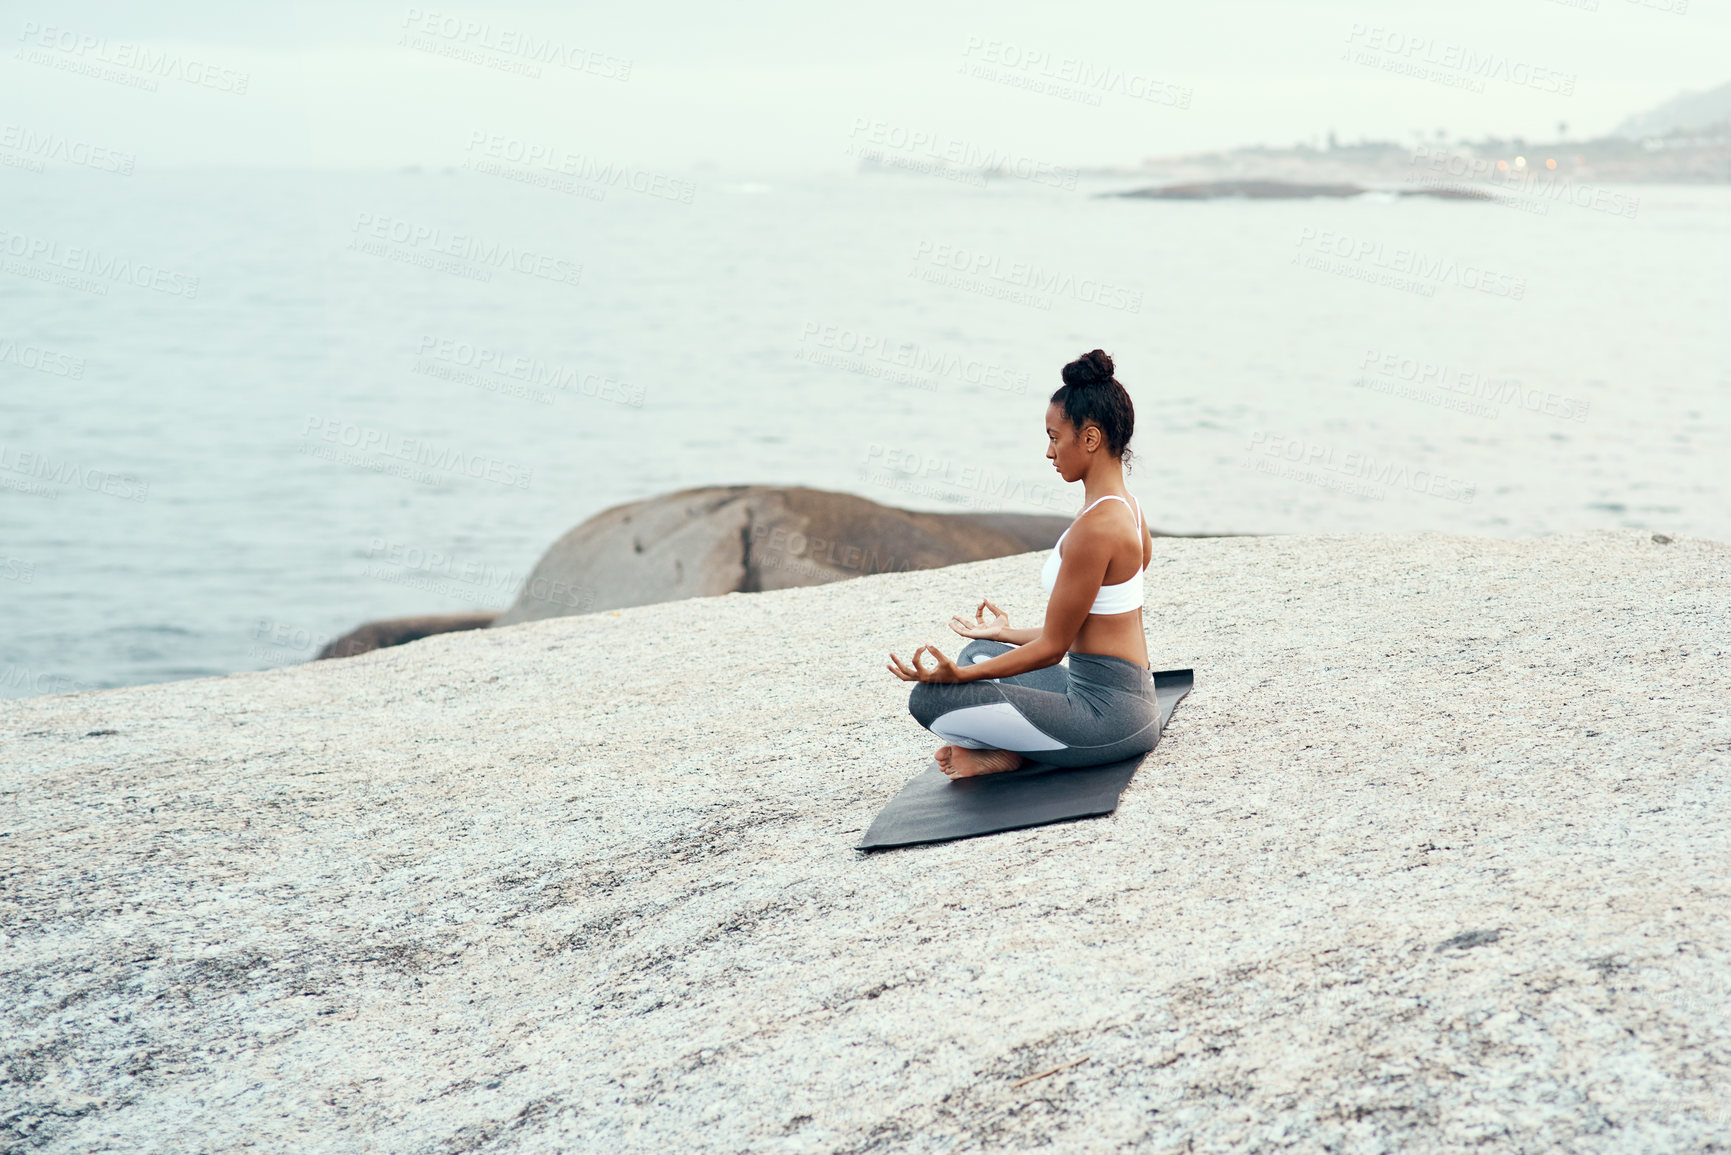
x=980, y=628
x=944, y=671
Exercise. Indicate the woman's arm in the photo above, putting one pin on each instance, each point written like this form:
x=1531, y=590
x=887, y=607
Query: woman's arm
x=996, y=630
x=1016, y=637
x=1087, y=553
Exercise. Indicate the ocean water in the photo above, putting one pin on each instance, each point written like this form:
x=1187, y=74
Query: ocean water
x=243, y=411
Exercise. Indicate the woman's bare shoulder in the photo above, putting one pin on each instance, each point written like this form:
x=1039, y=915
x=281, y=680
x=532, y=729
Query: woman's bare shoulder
x=1110, y=520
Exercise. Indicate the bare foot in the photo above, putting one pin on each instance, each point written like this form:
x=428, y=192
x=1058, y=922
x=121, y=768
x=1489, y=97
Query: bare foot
x=961, y=762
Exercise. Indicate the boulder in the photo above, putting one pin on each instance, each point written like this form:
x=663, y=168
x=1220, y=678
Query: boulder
x=396, y=631
x=749, y=538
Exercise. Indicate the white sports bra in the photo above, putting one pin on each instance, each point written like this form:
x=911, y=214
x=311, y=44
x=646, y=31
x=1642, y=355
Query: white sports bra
x=1112, y=599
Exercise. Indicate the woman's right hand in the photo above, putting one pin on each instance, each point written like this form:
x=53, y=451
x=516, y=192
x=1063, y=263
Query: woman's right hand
x=980, y=628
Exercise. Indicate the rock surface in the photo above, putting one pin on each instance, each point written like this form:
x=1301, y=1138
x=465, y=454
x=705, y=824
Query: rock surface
x=1434, y=858
x=749, y=538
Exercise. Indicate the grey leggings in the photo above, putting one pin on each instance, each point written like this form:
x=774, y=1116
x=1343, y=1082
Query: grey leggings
x=1099, y=709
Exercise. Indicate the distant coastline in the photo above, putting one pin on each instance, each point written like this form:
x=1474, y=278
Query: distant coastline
x=1286, y=190
x=1495, y=164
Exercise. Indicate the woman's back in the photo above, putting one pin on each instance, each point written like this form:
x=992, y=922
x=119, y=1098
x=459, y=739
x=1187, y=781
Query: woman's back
x=1114, y=622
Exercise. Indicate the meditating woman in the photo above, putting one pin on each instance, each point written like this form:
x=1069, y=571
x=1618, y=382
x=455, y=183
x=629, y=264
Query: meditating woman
x=1007, y=699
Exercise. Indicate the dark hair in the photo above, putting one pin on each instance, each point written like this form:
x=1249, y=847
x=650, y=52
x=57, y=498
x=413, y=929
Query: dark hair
x=1091, y=394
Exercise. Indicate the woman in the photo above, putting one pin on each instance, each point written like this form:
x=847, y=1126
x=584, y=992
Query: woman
x=1007, y=698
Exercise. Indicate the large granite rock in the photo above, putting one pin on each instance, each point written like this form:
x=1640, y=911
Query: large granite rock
x=1435, y=859
x=749, y=538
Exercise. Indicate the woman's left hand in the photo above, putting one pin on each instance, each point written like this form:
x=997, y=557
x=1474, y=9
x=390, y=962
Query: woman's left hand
x=992, y=631
x=944, y=671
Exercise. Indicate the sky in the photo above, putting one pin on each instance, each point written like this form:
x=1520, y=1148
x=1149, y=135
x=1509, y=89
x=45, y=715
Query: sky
x=775, y=85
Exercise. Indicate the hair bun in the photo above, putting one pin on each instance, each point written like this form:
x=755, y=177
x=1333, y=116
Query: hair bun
x=1091, y=368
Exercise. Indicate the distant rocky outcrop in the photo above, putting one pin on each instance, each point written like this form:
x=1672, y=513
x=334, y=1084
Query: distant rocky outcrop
x=745, y=538
x=396, y=631
x=1285, y=190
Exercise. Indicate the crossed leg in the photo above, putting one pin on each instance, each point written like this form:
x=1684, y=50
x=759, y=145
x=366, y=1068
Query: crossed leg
x=969, y=762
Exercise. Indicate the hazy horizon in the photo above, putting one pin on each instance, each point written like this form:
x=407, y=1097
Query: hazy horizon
x=777, y=87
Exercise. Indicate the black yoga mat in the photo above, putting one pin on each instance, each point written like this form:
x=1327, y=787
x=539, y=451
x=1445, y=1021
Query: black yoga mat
x=932, y=808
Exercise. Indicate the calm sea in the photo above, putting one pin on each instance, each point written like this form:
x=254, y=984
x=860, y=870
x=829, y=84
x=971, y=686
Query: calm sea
x=244, y=411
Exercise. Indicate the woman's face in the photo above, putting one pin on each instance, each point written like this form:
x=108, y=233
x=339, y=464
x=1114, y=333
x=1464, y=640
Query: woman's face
x=1067, y=452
